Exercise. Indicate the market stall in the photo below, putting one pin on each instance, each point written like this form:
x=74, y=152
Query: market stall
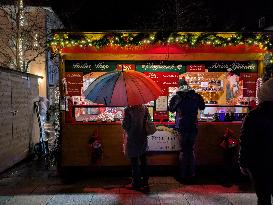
x=227, y=77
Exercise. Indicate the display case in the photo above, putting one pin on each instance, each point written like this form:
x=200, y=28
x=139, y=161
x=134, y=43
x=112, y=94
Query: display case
x=100, y=113
x=223, y=113
x=97, y=113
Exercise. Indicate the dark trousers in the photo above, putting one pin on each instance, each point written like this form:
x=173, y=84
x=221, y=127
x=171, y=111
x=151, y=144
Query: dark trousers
x=263, y=184
x=139, y=170
x=187, y=161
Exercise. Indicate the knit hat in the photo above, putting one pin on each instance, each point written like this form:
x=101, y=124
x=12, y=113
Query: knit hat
x=265, y=93
x=183, y=85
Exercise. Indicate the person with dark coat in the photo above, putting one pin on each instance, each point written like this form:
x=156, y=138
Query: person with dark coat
x=256, y=145
x=186, y=103
x=134, y=125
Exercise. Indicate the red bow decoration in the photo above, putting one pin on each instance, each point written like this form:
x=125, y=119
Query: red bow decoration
x=229, y=140
x=95, y=144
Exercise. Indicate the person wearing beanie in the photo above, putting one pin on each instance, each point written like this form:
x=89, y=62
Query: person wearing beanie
x=185, y=103
x=256, y=144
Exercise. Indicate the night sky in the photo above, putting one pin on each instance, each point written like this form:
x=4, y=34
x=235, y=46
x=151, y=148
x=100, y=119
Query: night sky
x=106, y=15
x=90, y=15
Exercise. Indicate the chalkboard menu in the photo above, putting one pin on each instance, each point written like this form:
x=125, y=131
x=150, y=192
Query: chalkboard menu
x=74, y=83
x=249, y=84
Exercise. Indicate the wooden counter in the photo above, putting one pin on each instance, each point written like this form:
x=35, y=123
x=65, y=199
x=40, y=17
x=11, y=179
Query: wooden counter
x=75, y=150
x=207, y=149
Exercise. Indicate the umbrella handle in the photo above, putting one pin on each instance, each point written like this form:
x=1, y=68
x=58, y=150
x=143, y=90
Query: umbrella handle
x=105, y=101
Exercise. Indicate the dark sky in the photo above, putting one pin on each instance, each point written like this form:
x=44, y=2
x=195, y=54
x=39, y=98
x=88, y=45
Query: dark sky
x=98, y=15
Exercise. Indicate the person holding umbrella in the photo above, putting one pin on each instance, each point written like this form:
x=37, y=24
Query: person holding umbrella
x=132, y=89
x=134, y=124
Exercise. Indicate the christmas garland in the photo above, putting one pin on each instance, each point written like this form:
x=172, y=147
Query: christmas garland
x=263, y=40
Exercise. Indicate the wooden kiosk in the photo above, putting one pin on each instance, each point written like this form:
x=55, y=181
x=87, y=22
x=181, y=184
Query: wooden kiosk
x=225, y=68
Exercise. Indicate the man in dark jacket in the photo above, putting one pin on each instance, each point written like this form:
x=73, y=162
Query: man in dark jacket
x=256, y=145
x=186, y=103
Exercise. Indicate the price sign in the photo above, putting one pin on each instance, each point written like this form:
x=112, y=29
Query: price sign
x=74, y=83
x=164, y=80
x=249, y=84
x=196, y=68
x=125, y=67
x=161, y=103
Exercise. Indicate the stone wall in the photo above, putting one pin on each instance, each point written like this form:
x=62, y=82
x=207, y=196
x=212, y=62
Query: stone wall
x=18, y=91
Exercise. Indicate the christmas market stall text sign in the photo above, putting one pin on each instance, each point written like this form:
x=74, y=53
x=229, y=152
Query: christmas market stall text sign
x=164, y=80
x=249, y=84
x=171, y=67
x=125, y=67
x=86, y=66
x=196, y=68
x=74, y=83
x=235, y=67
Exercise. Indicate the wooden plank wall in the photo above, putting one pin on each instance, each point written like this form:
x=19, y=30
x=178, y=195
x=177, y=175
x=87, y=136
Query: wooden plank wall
x=17, y=93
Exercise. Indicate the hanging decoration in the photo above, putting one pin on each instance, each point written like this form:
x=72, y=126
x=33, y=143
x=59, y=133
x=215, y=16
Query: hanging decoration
x=191, y=39
x=229, y=140
x=138, y=40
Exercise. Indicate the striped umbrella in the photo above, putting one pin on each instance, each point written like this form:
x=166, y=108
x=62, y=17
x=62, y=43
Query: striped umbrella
x=122, y=88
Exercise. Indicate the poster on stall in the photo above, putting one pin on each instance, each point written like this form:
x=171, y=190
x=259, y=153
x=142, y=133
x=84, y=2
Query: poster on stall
x=74, y=83
x=164, y=139
x=196, y=68
x=161, y=103
x=249, y=84
x=164, y=80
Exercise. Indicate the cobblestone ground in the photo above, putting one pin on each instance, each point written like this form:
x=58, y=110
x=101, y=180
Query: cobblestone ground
x=31, y=182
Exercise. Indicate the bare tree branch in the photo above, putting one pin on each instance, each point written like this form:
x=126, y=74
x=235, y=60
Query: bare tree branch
x=24, y=33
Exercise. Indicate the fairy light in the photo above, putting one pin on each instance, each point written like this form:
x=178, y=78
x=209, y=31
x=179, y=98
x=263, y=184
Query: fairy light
x=21, y=15
x=261, y=41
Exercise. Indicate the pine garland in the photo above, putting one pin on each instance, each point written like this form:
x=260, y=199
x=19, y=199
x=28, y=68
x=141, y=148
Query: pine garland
x=263, y=40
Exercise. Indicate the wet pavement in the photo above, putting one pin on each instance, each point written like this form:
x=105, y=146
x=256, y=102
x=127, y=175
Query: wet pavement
x=32, y=182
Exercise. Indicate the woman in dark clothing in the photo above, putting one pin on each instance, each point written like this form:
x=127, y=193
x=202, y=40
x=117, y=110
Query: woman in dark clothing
x=134, y=125
x=256, y=146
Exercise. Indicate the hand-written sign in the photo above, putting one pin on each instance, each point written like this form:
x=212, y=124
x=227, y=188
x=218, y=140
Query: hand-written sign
x=161, y=103
x=86, y=66
x=164, y=80
x=196, y=68
x=150, y=67
x=74, y=83
x=237, y=67
x=249, y=84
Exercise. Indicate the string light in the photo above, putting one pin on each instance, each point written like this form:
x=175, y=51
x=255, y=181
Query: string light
x=263, y=41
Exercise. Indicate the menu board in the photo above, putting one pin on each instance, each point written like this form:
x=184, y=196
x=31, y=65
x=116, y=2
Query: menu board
x=164, y=80
x=249, y=84
x=161, y=103
x=196, y=68
x=74, y=83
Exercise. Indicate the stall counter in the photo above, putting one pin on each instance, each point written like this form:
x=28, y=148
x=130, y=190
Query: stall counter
x=76, y=150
